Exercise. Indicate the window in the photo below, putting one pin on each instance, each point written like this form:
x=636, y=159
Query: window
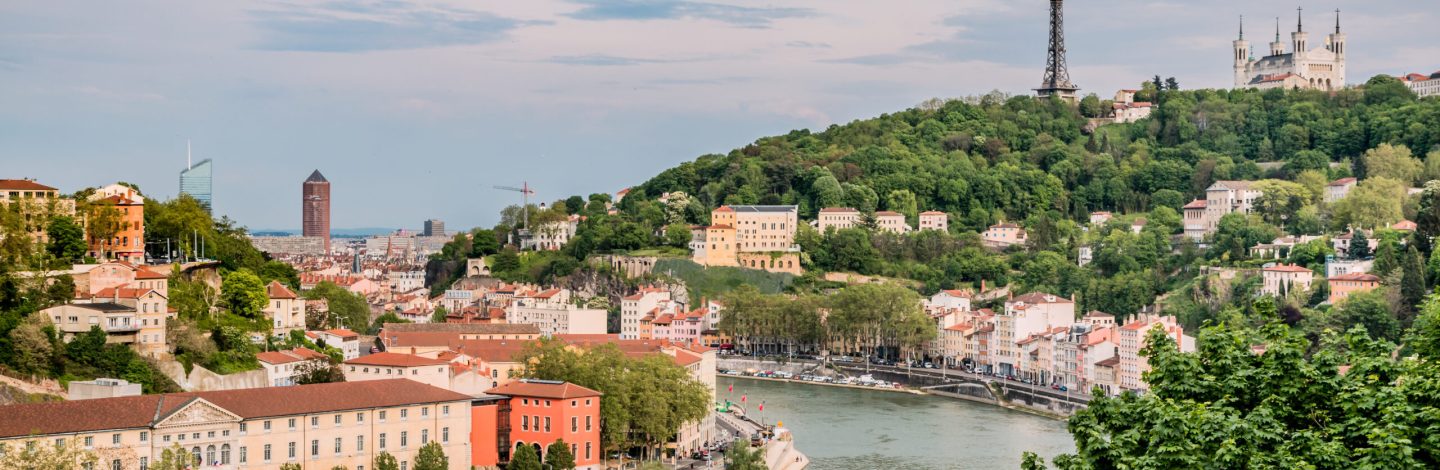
x=211, y=435
x=242, y=428
x=445, y=410
x=292, y=424
x=115, y=438
x=360, y=443
x=525, y=401
x=292, y=450
x=144, y=436
x=404, y=439
x=587, y=423
x=424, y=436
x=574, y=424
x=405, y=465
x=574, y=403
x=314, y=422
x=587, y=451
x=89, y=441
x=445, y=434
x=115, y=464
x=547, y=424
x=314, y=448
x=404, y=413
x=337, y=446
x=524, y=423
x=195, y=452
x=144, y=463
x=267, y=426
x=382, y=416
x=267, y=452
x=360, y=417
x=424, y=411
x=587, y=402
x=167, y=438
x=225, y=454
x=210, y=453
x=382, y=441
x=244, y=456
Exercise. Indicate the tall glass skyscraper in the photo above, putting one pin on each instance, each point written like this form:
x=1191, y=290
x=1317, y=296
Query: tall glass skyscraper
x=195, y=181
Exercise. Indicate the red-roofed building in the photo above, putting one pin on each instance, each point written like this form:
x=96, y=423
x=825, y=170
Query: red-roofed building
x=37, y=203
x=1003, y=234
x=1281, y=280
x=390, y=365
x=127, y=242
x=1344, y=285
x=285, y=310
x=542, y=412
x=1196, y=225
x=281, y=366
x=1338, y=189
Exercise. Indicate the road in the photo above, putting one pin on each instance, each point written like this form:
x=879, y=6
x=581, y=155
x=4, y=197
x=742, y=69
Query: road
x=953, y=376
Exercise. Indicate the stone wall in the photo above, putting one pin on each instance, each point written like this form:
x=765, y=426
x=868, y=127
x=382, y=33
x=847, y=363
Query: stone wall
x=201, y=379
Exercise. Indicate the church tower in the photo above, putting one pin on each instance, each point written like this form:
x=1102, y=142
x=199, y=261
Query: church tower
x=1277, y=47
x=1337, y=46
x=1299, y=38
x=1242, y=57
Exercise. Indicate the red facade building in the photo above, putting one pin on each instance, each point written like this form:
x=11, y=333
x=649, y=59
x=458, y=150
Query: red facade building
x=537, y=413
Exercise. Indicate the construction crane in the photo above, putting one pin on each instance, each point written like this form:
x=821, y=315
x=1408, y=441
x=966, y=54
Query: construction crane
x=525, y=190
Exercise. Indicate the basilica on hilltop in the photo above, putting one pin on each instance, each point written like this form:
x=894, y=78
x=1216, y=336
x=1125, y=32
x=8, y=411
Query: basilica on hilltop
x=1321, y=68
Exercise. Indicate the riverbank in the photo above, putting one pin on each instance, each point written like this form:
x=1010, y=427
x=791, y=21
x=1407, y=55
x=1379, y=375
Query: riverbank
x=1036, y=400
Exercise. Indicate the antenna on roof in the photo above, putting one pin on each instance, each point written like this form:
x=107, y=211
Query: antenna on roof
x=188, y=165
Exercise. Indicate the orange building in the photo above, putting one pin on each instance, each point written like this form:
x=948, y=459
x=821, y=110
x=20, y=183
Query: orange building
x=128, y=242
x=542, y=412
x=1350, y=283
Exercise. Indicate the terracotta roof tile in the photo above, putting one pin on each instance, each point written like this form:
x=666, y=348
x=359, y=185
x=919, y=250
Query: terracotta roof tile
x=543, y=389
x=390, y=359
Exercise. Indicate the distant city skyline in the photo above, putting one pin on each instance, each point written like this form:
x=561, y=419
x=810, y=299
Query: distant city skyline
x=416, y=110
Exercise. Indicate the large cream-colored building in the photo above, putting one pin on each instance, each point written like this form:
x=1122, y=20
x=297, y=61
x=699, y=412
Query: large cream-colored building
x=37, y=202
x=756, y=237
x=286, y=311
x=553, y=313
x=316, y=426
x=893, y=222
x=934, y=220
x=837, y=218
x=1225, y=197
x=1320, y=68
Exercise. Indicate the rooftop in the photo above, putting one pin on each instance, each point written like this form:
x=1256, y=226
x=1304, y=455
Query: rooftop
x=390, y=359
x=24, y=185
x=543, y=389
x=464, y=328
x=146, y=411
x=316, y=177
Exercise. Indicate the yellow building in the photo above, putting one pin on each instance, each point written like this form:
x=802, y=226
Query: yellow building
x=756, y=237
x=316, y=426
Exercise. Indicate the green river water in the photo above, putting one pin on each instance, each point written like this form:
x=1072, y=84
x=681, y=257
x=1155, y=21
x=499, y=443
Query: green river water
x=854, y=429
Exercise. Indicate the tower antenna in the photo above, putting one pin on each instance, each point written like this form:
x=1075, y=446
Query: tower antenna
x=1337, y=21
x=188, y=165
x=1242, y=26
x=1299, y=19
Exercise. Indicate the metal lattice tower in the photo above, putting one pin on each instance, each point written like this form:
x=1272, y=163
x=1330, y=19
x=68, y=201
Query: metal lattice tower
x=1057, y=77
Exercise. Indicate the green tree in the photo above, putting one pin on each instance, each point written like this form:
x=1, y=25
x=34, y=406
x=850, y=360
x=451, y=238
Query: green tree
x=67, y=239
x=741, y=456
x=1375, y=202
x=827, y=191
x=1392, y=161
x=385, y=461
x=1412, y=282
x=1359, y=245
x=483, y=242
x=1280, y=200
x=439, y=315
x=1371, y=311
x=524, y=458
x=506, y=261
x=677, y=235
x=904, y=202
x=1090, y=106
x=558, y=456
x=1387, y=90
x=432, y=457
x=346, y=309
x=243, y=293
x=318, y=371
x=291, y=466
x=38, y=454
x=34, y=350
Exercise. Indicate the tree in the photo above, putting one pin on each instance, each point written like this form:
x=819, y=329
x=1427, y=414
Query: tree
x=1412, y=283
x=346, y=309
x=102, y=223
x=439, y=315
x=1090, y=106
x=1171, y=84
x=740, y=456
x=1359, y=245
x=174, y=457
x=318, y=371
x=291, y=466
x=677, y=235
x=432, y=457
x=903, y=201
x=506, y=261
x=243, y=293
x=67, y=239
x=1371, y=311
x=524, y=458
x=1384, y=89
x=34, y=350
x=483, y=242
x=36, y=454
x=827, y=191
x=1280, y=200
x=385, y=461
x=574, y=204
x=1392, y=161
x=558, y=456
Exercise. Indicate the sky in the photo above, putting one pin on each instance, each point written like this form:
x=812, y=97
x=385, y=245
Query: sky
x=416, y=110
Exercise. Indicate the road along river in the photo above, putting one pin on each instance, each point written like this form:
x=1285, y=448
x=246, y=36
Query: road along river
x=857, y=429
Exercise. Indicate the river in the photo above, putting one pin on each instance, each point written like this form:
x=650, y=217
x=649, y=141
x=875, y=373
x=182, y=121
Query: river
x=853, y=429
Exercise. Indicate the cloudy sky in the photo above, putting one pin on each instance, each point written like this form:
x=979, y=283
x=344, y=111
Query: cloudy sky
x=414, y=110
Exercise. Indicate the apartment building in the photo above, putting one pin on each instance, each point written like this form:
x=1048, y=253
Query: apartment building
x=1030, y=314
x=1338, y=189
x=390, y=365
x=348, y=342
x=934, y=220
x=316, y=426
x=1225, y=197
x=553, y=312
x=634, y=308
x=542, y=412
x=37, y=204
x=281, y=367
x=1003, y=234
x=893, y=222
x=837, y=218
x=128, y=315
x=1285, y=279
x=1133, y=366
x=1344, y=285
x=128, y=240
x=286, y=311
x=755, y=237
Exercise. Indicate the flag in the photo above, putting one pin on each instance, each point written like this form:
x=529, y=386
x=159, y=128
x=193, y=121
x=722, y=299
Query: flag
x=762, y=406
x=742, y=398
x=731, y=389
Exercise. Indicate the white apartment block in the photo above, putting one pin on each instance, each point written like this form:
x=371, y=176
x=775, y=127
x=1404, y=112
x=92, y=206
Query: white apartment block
x=837, y=218
x=635, y=307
